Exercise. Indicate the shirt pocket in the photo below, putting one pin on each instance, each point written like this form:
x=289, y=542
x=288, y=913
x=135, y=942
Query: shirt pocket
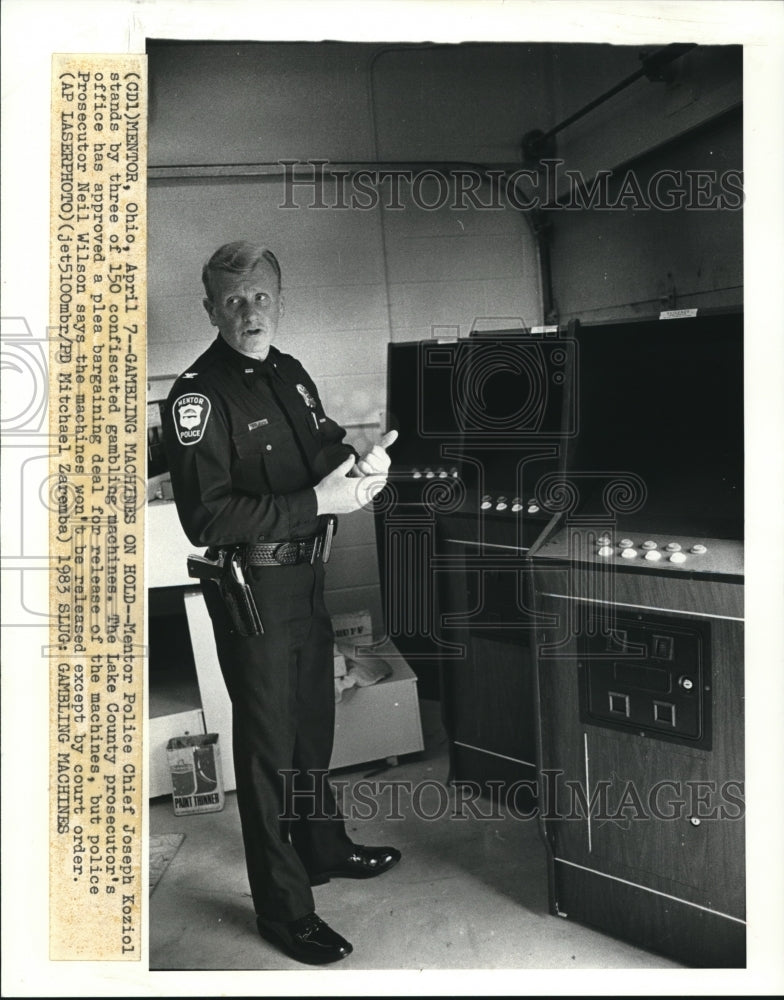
x=268, y=460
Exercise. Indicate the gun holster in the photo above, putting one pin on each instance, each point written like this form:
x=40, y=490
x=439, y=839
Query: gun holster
x=227, y=571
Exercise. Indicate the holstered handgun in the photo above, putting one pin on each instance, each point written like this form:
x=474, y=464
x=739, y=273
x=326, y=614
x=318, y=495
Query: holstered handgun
x=206, y=568
x=228, y=573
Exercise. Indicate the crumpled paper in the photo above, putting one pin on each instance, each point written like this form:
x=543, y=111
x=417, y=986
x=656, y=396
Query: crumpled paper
x=361, y=671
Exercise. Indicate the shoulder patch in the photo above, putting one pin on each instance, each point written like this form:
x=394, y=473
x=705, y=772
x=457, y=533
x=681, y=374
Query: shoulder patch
x=190, y=414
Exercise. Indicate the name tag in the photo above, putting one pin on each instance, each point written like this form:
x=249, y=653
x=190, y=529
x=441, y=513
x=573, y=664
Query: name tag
x=257, y=423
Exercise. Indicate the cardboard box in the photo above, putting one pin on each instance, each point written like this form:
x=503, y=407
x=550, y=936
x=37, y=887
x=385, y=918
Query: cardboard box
x=196, y=773
x=339, y=662
x=352, y=627
x=379, y=721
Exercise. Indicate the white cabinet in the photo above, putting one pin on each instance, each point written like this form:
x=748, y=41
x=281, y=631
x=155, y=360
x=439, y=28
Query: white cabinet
x=375, y=722
x=167, y=547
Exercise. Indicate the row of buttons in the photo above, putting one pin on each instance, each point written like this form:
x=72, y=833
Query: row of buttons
x=502, y=503
x=488, y=502
x=429, y=473
x=651, y=550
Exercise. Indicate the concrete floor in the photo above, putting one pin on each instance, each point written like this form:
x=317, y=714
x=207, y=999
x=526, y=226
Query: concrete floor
x=469, y=893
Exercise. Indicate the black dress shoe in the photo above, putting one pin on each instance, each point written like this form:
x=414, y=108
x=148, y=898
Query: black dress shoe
x=363, y=862
x=308, y=939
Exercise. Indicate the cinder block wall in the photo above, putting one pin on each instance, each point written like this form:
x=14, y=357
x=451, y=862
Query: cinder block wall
x=354, y=279
x=635, y=261
x=223, y=116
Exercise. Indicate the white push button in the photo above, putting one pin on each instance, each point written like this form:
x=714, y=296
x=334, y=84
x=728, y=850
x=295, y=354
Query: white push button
x=629, y=553
x=626, y=543
x=442, y=473
x=487, y=502
x=416, y=474
x=502, y=504
x=429, y=474
x=605, y=551
x=649, y=545
x=699, y=549
x=516, y=504
x=533, y=509
x=673, y=546
x=653, y=555
x=678, y=557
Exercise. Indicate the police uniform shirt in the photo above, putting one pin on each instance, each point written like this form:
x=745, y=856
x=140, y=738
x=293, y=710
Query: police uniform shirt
x=247, y=441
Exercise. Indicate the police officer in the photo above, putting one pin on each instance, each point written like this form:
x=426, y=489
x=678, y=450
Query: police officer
x=259, y=471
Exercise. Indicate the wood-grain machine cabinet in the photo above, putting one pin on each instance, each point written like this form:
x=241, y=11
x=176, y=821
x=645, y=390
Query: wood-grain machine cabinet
x=562, y=535
x=639, y=592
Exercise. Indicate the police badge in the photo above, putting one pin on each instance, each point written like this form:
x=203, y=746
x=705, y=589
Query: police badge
x=309, y=400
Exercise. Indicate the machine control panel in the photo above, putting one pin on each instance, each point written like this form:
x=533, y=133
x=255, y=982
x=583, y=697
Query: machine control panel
x=410, y=482
x=439, y=472
x=626, y=548
x=646, y=549
x=502, y=503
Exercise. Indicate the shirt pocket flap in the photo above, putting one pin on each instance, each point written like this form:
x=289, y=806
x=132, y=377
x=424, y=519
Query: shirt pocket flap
x=262, y=439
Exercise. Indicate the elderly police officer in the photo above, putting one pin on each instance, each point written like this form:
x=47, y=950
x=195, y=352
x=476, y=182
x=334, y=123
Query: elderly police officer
x=258, y=472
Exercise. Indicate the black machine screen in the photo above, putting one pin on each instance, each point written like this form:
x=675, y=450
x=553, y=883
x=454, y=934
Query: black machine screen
x=663, y=400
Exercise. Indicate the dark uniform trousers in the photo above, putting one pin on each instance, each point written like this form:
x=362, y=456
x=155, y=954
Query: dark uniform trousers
x=281, y=686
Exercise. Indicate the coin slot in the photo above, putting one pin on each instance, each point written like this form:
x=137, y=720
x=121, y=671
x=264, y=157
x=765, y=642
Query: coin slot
x=662, y=647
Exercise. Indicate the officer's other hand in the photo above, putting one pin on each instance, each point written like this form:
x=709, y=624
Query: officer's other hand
x=340, y=493
x=377, y=462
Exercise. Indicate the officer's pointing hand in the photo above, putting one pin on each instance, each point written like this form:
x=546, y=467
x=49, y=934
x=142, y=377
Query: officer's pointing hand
x=339, y=493
x=376, y=462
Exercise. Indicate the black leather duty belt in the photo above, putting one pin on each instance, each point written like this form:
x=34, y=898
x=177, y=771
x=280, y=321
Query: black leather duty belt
x=283, y=553
x=293, y=552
